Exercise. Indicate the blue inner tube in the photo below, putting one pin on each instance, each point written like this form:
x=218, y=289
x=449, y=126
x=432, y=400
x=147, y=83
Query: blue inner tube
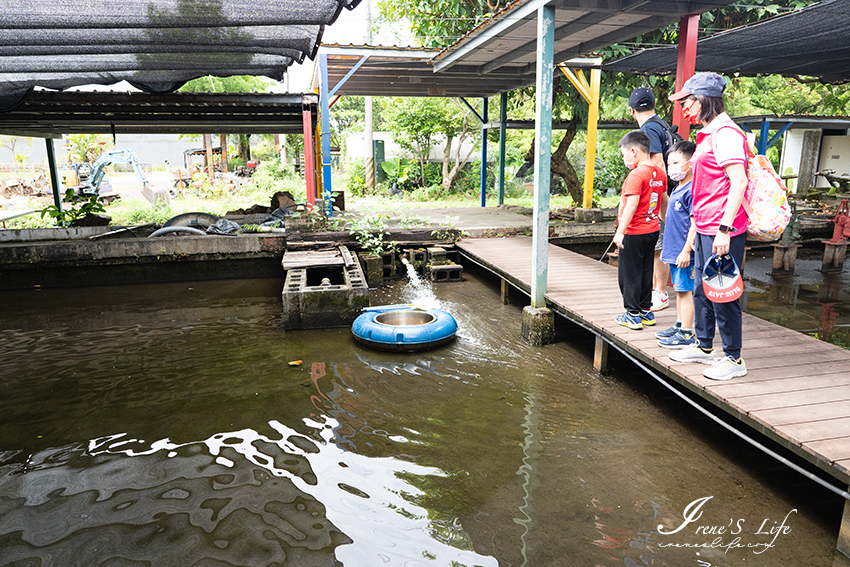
x=403, y=328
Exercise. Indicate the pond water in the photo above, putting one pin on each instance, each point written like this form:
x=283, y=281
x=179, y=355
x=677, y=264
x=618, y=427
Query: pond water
x=164, y=425
x=809, y=301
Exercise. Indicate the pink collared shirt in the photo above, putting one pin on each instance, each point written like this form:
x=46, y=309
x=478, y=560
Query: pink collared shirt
x=719, y=144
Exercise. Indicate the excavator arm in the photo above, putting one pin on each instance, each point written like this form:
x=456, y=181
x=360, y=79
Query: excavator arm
x=116, y=156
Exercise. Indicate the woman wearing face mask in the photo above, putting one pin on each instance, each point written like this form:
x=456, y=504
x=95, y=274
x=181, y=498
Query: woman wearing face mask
x=720, y=181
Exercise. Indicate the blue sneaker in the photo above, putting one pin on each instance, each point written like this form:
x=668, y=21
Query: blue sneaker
x=678, y=341
x=647, y=318
x=668, y=332
x=629, y=320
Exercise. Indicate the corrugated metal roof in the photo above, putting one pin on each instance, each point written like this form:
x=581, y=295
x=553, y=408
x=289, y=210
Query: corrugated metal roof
x=507, y=42
x=50, y=114
x=500, y=54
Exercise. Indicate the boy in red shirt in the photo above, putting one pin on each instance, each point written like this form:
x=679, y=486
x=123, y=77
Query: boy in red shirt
x=643, y=199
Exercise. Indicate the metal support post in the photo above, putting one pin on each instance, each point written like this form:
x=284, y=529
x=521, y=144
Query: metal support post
x=764, y=133
x=542, y=154
x=483, y=154
x=309, y=178
x=54, y=173
x=685, y=65
x=327, y=195
x=503, y=118
x=222, y=141
x=590, y=154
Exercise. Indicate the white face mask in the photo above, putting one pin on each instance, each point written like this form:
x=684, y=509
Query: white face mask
x=675, y=172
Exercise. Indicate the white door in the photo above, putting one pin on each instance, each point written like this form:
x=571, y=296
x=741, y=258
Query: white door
x=834, y=154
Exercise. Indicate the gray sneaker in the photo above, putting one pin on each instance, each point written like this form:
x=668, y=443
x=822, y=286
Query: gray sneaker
x=726, y=368
x=694, y=354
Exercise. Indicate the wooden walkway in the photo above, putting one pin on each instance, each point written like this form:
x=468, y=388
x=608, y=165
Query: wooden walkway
x=797, y=390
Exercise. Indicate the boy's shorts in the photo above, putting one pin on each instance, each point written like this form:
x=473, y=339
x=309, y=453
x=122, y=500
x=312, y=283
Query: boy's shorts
x=683, y=278
x=660, y=244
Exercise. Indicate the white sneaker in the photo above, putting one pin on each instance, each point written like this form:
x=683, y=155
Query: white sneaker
x=694, y=354
x=726, y=368
x=660, y=300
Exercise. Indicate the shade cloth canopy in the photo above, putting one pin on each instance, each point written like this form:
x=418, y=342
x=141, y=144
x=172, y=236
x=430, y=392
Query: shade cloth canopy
x=812, y=41
x=156, y=45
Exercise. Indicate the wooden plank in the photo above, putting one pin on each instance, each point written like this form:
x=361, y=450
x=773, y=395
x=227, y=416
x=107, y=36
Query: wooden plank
x=307, y=259
x=809, y=412
x=797, y=389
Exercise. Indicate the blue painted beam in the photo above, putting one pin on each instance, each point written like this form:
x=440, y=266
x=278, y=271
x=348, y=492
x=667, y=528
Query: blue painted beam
x=503, y=118
x=348, y=75
x=779, y=134
x=327, y=195
x=469, y=106
x=542, y=154
x=762, y=141
x=483, y=155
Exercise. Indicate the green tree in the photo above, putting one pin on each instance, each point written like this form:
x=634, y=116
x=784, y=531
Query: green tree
x=235, y=84
x=438, y=23
x=86, y=147
x=418, y=123
x=12, y=142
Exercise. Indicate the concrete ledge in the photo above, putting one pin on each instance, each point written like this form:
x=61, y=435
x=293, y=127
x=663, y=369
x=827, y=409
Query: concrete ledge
x=139, y=260
x=41, y=234
x=588, y=216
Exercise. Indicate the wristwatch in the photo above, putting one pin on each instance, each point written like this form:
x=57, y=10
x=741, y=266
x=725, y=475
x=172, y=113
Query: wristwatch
x=725, y=229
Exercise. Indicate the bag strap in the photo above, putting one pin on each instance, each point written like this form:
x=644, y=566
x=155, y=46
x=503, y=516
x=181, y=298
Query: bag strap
x=748, y=155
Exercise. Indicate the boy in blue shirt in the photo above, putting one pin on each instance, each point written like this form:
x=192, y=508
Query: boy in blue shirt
x=679, y=233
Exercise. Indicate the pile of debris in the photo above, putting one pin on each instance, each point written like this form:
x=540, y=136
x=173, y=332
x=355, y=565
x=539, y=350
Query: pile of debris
x=18, y=187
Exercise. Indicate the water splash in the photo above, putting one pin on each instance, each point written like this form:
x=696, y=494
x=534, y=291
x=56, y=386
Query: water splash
x=418, y=292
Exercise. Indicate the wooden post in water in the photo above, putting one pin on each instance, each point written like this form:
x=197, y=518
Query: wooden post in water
x=600, y=355
x=843, y=544
x=505, y=292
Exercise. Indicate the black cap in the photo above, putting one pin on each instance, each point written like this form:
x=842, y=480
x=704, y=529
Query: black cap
x=642, y=99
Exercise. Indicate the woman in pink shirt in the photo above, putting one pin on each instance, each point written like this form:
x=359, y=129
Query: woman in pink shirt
x=719, y=186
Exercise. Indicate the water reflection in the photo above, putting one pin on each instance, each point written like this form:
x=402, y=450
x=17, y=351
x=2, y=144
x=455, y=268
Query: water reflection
x=134, y=428
x=239, y=497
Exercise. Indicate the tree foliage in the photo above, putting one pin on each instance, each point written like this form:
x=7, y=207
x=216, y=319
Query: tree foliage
x=418, y=123
x=12, y=143
x=86, y=147
x=439, y=23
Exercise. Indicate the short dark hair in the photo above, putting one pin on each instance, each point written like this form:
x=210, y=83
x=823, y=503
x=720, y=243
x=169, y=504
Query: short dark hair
x=710, y=107
x=635, y=139
x=684, y=147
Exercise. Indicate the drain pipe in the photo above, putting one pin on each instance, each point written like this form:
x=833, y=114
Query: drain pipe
x=843, y=493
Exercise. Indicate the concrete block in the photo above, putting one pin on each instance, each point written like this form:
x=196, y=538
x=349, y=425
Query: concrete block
x=373, y=267
x=417, y=258
x=588, y=216
x=538, y=325
x=437, y=256
x=324, y=296
x=390, y=264
x=447, y=273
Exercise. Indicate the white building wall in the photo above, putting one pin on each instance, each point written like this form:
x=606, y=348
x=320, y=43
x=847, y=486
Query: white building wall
x=356, y=147
x=152, y=149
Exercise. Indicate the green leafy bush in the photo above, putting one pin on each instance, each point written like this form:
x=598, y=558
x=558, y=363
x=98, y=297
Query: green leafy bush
x=355, y=177
x=71, y=216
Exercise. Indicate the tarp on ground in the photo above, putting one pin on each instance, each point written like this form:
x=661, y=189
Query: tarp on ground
x=813, y=41
x=156, y=45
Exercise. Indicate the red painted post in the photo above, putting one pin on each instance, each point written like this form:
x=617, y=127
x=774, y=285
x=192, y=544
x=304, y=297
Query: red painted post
x=685, y=65
x=308, y=158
